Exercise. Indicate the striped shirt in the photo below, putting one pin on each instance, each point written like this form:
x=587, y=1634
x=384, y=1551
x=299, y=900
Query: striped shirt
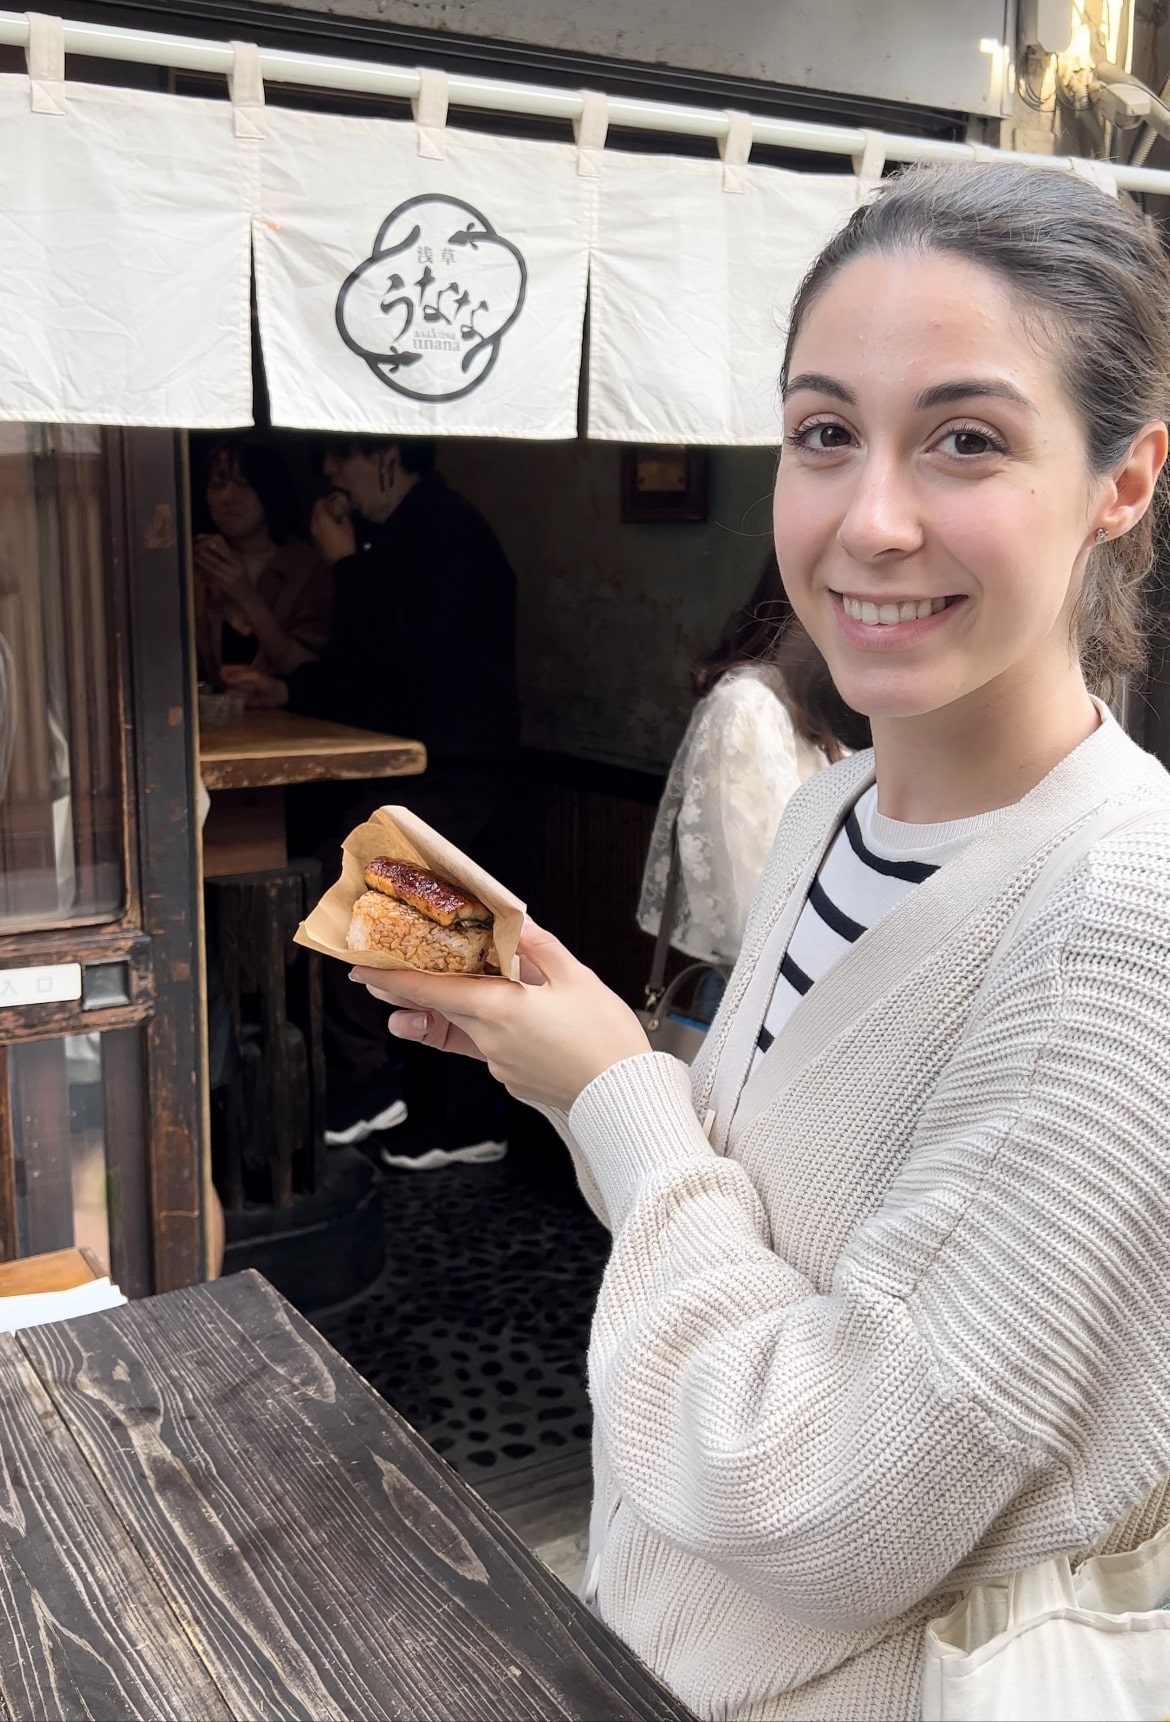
x=872, y=863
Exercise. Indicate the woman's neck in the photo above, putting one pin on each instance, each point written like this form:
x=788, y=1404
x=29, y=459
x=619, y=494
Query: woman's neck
x=982, y=752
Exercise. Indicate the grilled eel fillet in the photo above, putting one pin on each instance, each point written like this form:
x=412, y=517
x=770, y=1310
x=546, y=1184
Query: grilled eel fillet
x=435, y=898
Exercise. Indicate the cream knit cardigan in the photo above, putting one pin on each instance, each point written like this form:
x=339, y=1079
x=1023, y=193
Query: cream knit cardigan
x=903, y=1323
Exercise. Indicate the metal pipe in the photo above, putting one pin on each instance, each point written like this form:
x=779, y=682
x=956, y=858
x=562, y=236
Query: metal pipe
x=190, y=54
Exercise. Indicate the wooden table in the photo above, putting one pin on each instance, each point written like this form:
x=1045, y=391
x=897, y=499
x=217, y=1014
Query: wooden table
x=248, y=763
x=204, y=1513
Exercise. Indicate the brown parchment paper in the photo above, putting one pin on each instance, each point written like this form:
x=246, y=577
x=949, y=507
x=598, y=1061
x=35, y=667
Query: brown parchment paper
x=401, y=834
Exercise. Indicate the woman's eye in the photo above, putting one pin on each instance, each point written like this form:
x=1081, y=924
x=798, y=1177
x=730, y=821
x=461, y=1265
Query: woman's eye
x=970, y=444
x=823, y=437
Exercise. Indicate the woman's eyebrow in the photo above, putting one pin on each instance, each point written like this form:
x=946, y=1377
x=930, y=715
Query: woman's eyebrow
x=820, y=383
x=968, y=388
x=941, y=395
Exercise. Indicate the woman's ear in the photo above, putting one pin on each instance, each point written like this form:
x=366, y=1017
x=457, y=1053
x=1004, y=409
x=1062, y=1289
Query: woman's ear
x=1132, y=487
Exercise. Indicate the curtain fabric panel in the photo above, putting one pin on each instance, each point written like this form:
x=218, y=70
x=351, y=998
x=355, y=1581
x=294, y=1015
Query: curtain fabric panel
x=411, y=278
x=693, y=271
x=124, y=259
x=419, y=280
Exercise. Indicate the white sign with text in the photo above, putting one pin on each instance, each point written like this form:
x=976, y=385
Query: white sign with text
x=52, y=983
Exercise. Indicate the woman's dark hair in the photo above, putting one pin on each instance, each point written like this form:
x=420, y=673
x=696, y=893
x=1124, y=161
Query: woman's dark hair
x=764, y=630
x=751, y=633
x=1091, y=281
x=264, y=469
x=818, y=711
x=417, y=453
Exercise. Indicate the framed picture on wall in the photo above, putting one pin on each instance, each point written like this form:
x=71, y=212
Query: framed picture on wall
x=663, y=483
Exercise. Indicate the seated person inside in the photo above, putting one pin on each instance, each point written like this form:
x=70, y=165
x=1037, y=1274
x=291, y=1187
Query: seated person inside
x=263, y=595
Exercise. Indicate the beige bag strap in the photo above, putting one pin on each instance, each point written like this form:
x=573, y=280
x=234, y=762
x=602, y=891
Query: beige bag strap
x=655, y=985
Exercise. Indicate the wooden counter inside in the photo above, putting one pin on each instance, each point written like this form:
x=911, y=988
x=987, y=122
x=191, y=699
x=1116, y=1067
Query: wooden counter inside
x=269, y=749
x=248, y=762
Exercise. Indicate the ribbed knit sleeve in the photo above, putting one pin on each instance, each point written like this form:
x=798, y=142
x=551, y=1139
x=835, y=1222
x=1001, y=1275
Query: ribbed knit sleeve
x=1003, y=1316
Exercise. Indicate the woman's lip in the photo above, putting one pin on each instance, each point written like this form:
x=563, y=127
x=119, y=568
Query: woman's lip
x=892, y=636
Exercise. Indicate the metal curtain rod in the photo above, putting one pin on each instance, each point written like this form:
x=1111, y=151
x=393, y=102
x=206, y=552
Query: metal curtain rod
x=190, y=54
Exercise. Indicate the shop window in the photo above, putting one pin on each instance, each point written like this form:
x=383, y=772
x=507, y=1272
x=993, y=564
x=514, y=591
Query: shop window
x=56, y=1102
x=60, y=780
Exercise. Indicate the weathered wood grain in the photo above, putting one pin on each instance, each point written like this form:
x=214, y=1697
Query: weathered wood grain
x=83, y=945
x=84, y=1630
x=330, y=1564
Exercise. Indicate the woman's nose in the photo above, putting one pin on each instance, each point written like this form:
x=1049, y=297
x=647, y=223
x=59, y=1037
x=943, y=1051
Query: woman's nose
x=882, y=518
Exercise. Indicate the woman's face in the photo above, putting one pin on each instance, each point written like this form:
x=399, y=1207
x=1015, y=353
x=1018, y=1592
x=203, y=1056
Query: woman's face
x=934, y=507
x=234, y=506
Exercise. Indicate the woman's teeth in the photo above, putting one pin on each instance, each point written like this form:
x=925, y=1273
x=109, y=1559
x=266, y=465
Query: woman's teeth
x=885, y=615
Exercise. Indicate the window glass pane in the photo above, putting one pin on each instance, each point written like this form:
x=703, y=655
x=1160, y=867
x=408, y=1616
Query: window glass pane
x=60, y=778
x=56, y=1096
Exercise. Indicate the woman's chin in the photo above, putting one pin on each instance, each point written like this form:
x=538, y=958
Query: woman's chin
x=891, y=697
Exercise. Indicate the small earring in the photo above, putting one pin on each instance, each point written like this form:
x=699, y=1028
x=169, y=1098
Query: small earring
x=1102, y=535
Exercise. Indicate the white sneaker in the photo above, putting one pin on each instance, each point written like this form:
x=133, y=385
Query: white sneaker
x=477, y=1154
x=389, y=1116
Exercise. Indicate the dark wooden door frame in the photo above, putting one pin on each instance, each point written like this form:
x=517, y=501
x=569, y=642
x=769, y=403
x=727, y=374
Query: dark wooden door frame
x=152, y=1020
x=163, y=788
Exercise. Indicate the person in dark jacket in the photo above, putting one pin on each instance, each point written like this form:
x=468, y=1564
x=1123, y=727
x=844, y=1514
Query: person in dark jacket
x=423, y=645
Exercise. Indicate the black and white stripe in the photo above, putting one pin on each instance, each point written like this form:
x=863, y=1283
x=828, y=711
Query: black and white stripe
x=856, y=885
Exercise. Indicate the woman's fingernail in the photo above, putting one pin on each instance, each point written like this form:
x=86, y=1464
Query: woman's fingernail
x=409, y=1024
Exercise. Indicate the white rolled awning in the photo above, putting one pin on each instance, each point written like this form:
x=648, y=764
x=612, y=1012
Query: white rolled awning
x=411, y=278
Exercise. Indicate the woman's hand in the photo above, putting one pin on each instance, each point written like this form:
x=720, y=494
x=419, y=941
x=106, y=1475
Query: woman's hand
x=545, y=1042
x=257, y=687
x=331, y=528
x=219, y=565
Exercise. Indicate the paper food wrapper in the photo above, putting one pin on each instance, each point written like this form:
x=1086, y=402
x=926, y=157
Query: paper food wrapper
x=397, y=832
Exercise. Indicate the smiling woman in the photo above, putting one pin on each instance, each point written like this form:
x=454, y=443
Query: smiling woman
x=938, y=518
x=888, y=1309
x=1015, y=469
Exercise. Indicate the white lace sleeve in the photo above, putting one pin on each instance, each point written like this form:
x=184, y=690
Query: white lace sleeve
x=739, y=763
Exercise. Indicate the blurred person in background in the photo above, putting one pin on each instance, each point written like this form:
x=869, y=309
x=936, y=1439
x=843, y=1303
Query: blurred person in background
x=264, y=597
x=423, y=645
x=763, y=724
